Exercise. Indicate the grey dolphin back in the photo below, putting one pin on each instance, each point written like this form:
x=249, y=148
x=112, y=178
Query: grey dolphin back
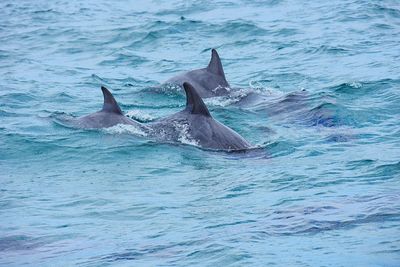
x=209, y=81
x=110, y=104
x=108, y=116
x=215, y=65
x=194, y=103
x=208, y=132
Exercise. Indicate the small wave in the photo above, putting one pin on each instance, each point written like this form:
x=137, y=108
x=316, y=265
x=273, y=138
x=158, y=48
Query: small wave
x=99, y=79
x=4, y=113
x=123, y=56
x=152, y=38
x=315, y=219
x=340, y=137
x=363, y=87
x=280, y=148
x=316, y=226
x=163, y=251
x=388, y=170
x=280, y=104
x=355, y=85
x=183, y=9
x=334, y=50
x=17, y=98
x=347, y=87
x=394, y=13
x=20, y=242
x=286, y=32
x=44, y=11
x=356, y=164
x=241, y=28
x=322, y=115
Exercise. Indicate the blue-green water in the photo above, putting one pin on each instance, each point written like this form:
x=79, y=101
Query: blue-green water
x=322, y=190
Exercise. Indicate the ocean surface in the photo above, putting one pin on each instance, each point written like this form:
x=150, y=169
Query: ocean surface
x=317, y=94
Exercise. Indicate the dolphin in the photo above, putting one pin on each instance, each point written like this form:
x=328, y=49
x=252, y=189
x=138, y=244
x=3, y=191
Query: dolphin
x=110, y=115
x=209, y=81
x=195, y=125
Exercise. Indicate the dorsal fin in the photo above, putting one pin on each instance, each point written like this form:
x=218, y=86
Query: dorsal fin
x=194, y=103
x=215, y=65
x=110, y=105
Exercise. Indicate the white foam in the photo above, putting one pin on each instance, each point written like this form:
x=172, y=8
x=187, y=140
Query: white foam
x=169, y=89
x=140, y=115
x=258, y=87
x=355, y=85
x=184, y=136
x=125, y=129
x=223, y=101
x=228, y=89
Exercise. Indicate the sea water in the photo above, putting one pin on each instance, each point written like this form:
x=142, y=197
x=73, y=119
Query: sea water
x=322, y=187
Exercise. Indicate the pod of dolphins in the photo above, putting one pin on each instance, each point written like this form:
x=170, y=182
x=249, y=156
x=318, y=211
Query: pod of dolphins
x=195, y=120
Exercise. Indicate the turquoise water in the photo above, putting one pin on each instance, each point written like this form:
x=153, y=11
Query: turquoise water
x=323, y=189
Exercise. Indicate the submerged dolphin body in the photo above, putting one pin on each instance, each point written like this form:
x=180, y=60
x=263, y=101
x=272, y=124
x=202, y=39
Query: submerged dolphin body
x=195, y=125
x=110, y=115
x=209, y=81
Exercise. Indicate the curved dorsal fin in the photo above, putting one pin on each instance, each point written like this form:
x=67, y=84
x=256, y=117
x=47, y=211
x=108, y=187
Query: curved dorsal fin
x=110, y=105
x=194, y=103
x=215, y=65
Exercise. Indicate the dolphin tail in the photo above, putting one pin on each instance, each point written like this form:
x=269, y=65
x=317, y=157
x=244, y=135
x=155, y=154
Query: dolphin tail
x=110, y=104
x=194, y=103
x=215, y=65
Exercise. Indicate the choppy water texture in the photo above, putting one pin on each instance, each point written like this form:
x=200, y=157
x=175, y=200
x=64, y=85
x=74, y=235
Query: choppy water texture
x=322, y=190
